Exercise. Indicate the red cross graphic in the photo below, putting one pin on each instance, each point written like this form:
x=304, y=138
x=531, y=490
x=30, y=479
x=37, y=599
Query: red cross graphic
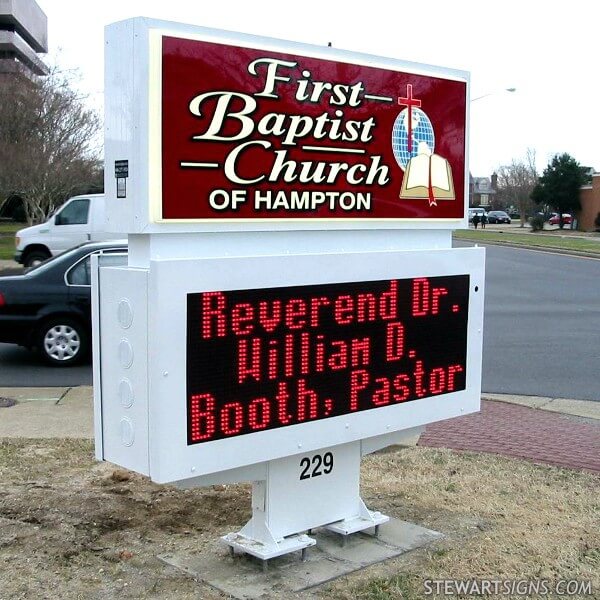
x=410, y=102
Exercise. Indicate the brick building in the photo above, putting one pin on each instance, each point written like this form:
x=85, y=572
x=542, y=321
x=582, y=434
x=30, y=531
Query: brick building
x=589, y=196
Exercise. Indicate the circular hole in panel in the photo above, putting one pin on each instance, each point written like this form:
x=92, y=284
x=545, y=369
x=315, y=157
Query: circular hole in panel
x=127, y=433
x=125, y=354
x=126, y=393
x=125, y=313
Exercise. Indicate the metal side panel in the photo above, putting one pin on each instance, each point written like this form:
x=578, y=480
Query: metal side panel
x=123, y=365
x=99, y=260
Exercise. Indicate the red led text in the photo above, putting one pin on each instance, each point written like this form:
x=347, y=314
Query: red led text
x=260, y=359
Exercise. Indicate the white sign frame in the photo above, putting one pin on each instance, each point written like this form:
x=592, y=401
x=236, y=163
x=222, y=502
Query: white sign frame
x=169, y=282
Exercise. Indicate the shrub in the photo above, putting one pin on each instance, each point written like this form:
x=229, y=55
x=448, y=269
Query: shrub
x=537, y=223
x=597, y=222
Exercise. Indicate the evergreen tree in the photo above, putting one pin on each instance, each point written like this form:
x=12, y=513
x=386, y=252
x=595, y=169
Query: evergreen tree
x=559, y=185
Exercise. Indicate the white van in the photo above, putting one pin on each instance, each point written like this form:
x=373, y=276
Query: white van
x=80, y=219
x=480, y=212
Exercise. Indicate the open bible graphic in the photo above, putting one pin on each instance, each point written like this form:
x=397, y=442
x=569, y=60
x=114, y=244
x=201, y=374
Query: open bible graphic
x=427, y=175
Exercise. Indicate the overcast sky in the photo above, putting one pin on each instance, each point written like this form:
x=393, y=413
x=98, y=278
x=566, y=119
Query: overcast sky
x=548, y=50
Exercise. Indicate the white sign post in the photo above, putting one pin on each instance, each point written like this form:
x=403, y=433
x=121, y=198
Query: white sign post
x=264, y=348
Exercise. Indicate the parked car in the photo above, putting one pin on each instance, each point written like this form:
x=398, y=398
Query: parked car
x=498, y=216
x=49, y=307
x=554, y=219
x=80, y=219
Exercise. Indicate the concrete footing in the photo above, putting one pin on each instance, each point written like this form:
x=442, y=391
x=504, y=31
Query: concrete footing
x=244, y=577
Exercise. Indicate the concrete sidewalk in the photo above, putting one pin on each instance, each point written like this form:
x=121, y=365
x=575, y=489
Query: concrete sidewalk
x=552, y=430
x=9, y=265
x=57, y=412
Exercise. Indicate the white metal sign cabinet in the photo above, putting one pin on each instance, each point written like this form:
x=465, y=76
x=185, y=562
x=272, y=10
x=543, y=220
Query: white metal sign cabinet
x=275, y=352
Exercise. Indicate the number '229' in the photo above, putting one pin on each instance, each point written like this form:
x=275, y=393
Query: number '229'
x=321, y=465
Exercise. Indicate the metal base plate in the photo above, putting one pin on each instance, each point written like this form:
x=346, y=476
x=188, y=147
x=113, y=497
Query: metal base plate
x=242, y=576
x=349, y=526
x=241, y=543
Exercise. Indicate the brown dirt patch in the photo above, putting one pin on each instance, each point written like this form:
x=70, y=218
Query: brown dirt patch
x=74, y=528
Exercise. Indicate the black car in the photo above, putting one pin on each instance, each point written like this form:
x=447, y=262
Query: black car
x=498, y=216
x=49, y=307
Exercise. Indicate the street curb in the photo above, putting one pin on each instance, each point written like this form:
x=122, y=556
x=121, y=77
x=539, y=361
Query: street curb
x=587, y=409
x=578, y=253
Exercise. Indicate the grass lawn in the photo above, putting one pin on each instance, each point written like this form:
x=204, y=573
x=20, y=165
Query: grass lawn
x=10, y=228
x=7, y=239
x=503, y=519
x=547, y=239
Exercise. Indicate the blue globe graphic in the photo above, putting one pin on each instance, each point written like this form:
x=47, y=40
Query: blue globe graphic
x=422, y=132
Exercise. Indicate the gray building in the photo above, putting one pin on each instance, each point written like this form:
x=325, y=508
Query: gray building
x=482, y=190
x=23, y=35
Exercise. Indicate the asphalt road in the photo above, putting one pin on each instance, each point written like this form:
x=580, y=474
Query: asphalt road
x=541, y=330
x=21, y=368
x=542, y=324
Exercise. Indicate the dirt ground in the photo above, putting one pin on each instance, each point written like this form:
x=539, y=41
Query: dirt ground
x=73, y=528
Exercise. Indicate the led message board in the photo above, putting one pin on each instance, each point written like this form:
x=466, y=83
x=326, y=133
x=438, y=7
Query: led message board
x=268, y=358
x=268, y=134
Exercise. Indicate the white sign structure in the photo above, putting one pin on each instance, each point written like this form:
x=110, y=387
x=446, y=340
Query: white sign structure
x=278, y=352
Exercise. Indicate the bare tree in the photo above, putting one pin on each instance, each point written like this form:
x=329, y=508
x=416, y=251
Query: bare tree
x=516, y=182
x=47, y=142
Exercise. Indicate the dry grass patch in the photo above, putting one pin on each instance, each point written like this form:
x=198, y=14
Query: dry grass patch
x=71, y=526
x=504, y=519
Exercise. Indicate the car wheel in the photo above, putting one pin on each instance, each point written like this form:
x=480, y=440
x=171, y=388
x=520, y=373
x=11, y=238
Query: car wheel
x=34, y=258
x=62, y=342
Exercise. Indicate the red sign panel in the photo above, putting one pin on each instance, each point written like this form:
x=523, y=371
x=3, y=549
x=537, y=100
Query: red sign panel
x=258, y=134
x=268, y=358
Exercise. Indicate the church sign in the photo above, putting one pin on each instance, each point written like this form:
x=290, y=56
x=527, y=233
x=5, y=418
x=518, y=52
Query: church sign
x=256, y=133
x=271, y=321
